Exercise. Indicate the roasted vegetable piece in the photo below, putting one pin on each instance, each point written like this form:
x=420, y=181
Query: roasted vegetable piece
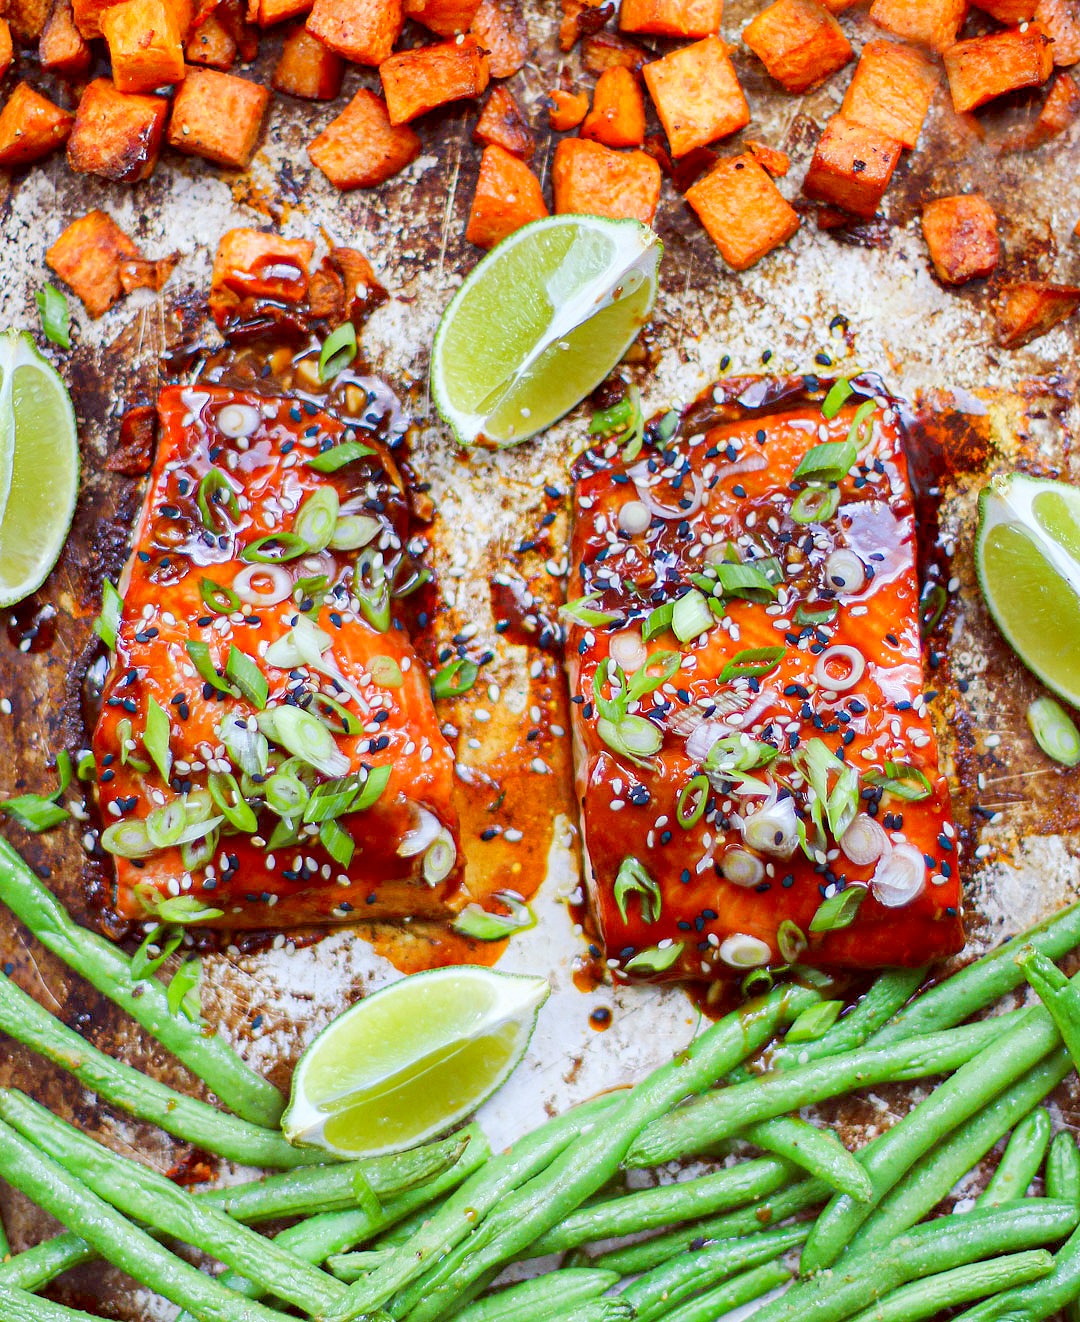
x=134, y=452
x=363, y=31
x=777, y=162
x=580, y=17
x=31, y=127
x=117, y=135
x=617, y=117
x=743, y=210
x=672, y=18
x=985, y=67
x=212, y=45
x=961, y=233
x=268, y=12
x=607, y=50
x=499, y=27
x=62, y=48
x=446, y=17
x=851, y=167
x=26, y=18
x=307, y=68
x=891, y=90
x=799, y=42
x=1028, y=309
x=567, y=110
x=502, y=124
x=255, y=272
x=508, y=195
x=417, y=81
x=88, y=256
x=1060, y=21
x=360, y=147
x=144, y=45
x=6, y=50
x=1057, y=113
x=219, y=117
x=934, y=23
x=1008, y=12
x=146, y=273
x=591, y=179
x=697, y=95
x=87, y=16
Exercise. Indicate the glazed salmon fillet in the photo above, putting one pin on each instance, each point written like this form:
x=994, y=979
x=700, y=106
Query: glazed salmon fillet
x=267, y=752
x=757, y=771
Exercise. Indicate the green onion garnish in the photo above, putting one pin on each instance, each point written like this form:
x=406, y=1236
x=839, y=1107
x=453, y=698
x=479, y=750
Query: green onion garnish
x=184, y=909
x=746, y=580
x=386, y=672
x=127, y=839
x=165, y=825
x=791, y=941
x=216, y=494
x=217, y=597
x=482, y=925
x=313, y=589
x=752, y=663
x=305, y=736
x=52, y=305
x=337, y=719
x=825, y=614
x=156, y=738
x=234, y=807
x=581, y=612
x=634, y=737
x=352, y=531
x=624, y=418
x=830, y=462
x=372, y=789
x=902, y=781
x=286, y=795
x=165, y=940
x=274, y=549
x=814, y=1022
x=738, y=752
x=107, y=623
x=248, y=678
x=331, y=799
x=834, y=401
x=86, y=767
x=653, y=959
x=455, y=678
x=182, y=992
x=35, y=812
x=200, y=659
x=372, y=588
x=691, y=616
x=835, y=785
x=693, y=797
x=815, y=504
x=329, y=461
x=857, y=433
x=614, y=419
x=838, y=910
x=338, y=351
x=317, y=518
x=633, y=878
x=1054, y=731
x=248, y=749
x=932, y=603
x=64, y=771
x=613, y=708
x=644, y=681
x=337, y=842
x=657, y=621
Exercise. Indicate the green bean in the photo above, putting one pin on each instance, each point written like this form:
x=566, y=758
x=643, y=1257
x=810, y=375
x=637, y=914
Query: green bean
x=926, y=1298
x=687, y=1273
x=18, y=1306
x=933, y=1247
x=1062, y=1174
x=22, y=1018
x=529, y=1300
x=931, y=1178
x=65, y=1197
x=1039, y=1299
x=731, y=1294
x=702, y=1123
x=106, y=967
x=137, y=1191
x=350, y=1267
x=1058, y=995
x=596, y=1310
x=1020, y=1161
x=817, y=1150
x=591, y=1160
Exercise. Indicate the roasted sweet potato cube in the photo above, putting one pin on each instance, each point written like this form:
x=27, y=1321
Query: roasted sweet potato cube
x=1060, y=20
x=799, y=42
x=270, y=12
x=363, y=292
x=146, y=273
x=416, y=81
x=326, y=295
x=617, y=117
x=27, y=18
x=697, y=95
x=306, y=68
x=508, y=195
x=446, y=17
x=31, y=127
x=499, y=27
x=672, y=18
x=891, y=90
x=219, y=117
x=838, y=6
x=776, y=162
x=580, y=18
x=502, y=124
x=743, y=210
x=212, y=45
x=1008, y=12
x=961, y=233
x=88, y=256
x=363, y=31
x=589, y=178
x=183, y=12
x=934, y=23
x=256, y=264
x=1030, y=308
x=232, y=14
x=63, y=49
x=567, y=109
x=1059, y=111
x=852, y=166
x=361, y=148
x=117, y=135
x=607, y=50
x=87, y=15
x=144, y=45
x=985, y=67
x=6, y=48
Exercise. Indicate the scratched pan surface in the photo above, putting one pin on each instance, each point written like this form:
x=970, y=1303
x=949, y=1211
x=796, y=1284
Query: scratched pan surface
x=932, y=346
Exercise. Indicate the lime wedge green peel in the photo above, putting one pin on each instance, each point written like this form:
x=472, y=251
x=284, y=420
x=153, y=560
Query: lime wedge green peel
x=539, y=323
x=411, y=1060
x=39, y=467
x=1027, y=557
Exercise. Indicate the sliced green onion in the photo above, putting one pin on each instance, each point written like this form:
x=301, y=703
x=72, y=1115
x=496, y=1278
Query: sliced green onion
x=108, y=622
x=166, y=940
x=305, y=736
x=332, y=799
x=657, y=621
x=196, y=854
x=582, y=613
x=217, y=597
x=317, y=518
x=830, y=462
x=439, y=859
x=274, y=549
x=835, y=785
x=372, y=789
x=791, y=941
x=352, y=531
x=86, y=767
x=404, y=585
x=248, y=749
x=814, y=1022
x=247, y=677
x=614, y=419
x=752, y=663
x=329, y=461
x=932, y=602
x=757, y=982
x=185, y=909
x=738, y=752
x=156, y=738
x=372, y=588
x=165, y=825
x=215, y=494
x=1054, y=731
x=643, y=681
x=901, y=780
x=336, y=718
x=127, y=839
x=455, y=678
x=200, y=659
x=338, y=351
x=482, y=925
x=745, y=580
x=653, y=959
x=337, y=842
x=691, y=616
x=633, y=878
x=838, y=910
x=52, y=306
x=312, y=588
x=693, y=797
x=835, y=399
x=634, y=737
x=302, y=645
x=858, y=434
x=64, y=772
x=35, y=812
x=182, y=992
x=825, y=615
x=614, y=708
x=386, y=672
x=286, y=795
x=668, y=426
x=815, y=504
x=125, y=736
x=234, y=807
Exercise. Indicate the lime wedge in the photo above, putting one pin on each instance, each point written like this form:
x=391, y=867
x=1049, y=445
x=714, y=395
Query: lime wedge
x=1027, y=557
x=410, y=1061
x=539, y=323
x=39, y=467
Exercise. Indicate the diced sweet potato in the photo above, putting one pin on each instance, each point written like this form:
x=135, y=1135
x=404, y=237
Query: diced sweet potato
x=146, y=273
x=62, y=48
x=326, y=294
x=1030, y=308
x=985, y=67
x=607, y=50
x=306, y=68
x=776, y=162
x=581, y=18
x=144, y=45
x=891, y=90
x=117, y=135
x=799, y=42
x=134, y=451
x=838, y=6
x=219, y=117
x=232, y=14
x=88, y=256
x=742, y=210
x=499, y=27
x=934, y=23
x=446, y=17
x=852, y=166
x=961, y=233
x=363, y=31
x=361, y=148
x=617, y=117
x=6, y=48
x=31, y=127
x=27, y=18
x=212, y=45
x=183, y=12
x=87, y=16
x=697, y=95
x=1060, y=20
x=672, y=18
x=269, y=12
x=1059, y=111
x=363, y=292
x=589, y=178
x=252, y=263
x=508, y=195
x=501, y=123
x=1008, y=12
x=567, y=110
x=416, y=81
